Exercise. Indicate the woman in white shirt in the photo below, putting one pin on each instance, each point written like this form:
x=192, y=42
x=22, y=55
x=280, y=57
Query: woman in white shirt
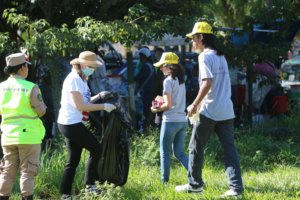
x=174, y=124
x=76, y=102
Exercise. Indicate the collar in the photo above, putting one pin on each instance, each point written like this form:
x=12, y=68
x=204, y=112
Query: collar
x=16, y=76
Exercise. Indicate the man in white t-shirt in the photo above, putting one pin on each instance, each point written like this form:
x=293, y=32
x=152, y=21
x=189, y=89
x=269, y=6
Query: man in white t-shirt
x=216, y=114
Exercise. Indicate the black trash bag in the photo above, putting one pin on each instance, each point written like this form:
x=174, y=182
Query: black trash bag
x=122, y=110
x=113, y=166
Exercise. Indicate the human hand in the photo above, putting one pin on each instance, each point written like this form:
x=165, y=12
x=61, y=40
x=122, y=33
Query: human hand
x=159, y=97
x=109, y=107
x=103, y=94
x=191, y=110
x=154, y=109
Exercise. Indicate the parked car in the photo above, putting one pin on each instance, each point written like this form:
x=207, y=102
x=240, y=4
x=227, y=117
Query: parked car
x=112, y=58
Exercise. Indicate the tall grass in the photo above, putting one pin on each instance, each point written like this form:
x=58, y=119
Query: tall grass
x=270, y=168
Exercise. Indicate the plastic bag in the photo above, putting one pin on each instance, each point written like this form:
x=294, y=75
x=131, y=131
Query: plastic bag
x=113, y=166
x=195, y=118
x=258, y=93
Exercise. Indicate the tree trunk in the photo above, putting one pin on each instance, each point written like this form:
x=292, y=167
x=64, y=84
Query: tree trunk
x=56, y=92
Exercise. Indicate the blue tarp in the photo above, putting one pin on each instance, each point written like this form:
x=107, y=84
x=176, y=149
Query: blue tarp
x=267, y=37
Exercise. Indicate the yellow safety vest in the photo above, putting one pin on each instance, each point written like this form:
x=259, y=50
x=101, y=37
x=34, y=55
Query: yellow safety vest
x=20, y=123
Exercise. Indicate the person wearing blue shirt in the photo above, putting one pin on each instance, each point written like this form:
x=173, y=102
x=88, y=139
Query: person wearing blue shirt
x=145, y=78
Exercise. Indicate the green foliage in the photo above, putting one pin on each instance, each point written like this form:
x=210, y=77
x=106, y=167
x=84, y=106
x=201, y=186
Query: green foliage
x=6, y=45
x=247, y=54
x=269, y=171
x=230, y=13
x=143, y=22
x=52, y=45
x=110, y=191
x=145, y=149
x=261, y=150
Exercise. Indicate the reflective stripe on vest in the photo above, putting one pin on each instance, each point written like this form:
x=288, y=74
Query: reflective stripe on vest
x=19, y=117
x=15, y=89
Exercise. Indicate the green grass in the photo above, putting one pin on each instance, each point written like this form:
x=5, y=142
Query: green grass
x=270, y=168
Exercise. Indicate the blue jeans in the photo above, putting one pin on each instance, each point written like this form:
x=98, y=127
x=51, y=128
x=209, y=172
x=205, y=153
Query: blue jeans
x=172, y=134
x=201, y=132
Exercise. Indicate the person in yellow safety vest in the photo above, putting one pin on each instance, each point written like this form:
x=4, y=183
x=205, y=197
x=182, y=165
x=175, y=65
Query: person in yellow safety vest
x=21, y=105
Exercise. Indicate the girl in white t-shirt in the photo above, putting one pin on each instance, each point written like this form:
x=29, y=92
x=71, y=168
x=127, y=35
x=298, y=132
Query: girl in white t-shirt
x=174, y=124
x=76, y=102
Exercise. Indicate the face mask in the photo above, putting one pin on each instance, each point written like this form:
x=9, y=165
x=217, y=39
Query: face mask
x=87, y=71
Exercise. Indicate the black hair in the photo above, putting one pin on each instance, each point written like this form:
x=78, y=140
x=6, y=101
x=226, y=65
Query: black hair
x=176, y=70
x=158, y=49
x=209, y=42
x=12, y=70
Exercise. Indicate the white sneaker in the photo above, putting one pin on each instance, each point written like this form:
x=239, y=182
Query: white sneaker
x=93, y=189
x=231, y=192
x=189, y=189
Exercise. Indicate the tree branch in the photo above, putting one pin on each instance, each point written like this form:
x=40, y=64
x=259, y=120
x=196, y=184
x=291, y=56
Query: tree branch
x=138, y=18
x=2, y=26
x=22, y=40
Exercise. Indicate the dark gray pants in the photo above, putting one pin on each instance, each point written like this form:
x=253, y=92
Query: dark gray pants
x=201, y=132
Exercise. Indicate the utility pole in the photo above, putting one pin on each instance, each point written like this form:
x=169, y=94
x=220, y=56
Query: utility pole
x=131, y=89
x=249, y=81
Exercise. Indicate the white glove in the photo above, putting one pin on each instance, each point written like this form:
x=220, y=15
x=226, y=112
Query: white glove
x=102, y=94
x=109, y=107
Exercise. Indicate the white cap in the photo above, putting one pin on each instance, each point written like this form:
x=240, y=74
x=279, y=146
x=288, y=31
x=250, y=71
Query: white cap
x=144, y=51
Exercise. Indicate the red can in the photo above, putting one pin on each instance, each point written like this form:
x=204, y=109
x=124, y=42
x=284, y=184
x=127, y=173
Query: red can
x=154, y=103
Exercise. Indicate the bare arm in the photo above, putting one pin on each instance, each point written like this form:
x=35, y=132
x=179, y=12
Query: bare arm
x=204, y=89
x=77, y=99
x=95, y=98
x=166, y=106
